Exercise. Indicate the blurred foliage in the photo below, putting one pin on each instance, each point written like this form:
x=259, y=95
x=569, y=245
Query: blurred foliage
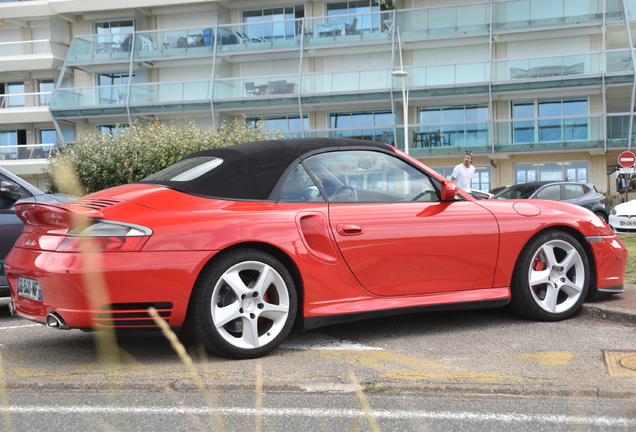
x=610, y=200
x=630, y=270
x=128, y=154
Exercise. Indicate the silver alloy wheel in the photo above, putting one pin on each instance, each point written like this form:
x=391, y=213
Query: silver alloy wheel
x=556, y=276
x=250, y=305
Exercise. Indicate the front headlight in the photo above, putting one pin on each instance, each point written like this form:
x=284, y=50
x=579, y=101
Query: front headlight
x=613, y=212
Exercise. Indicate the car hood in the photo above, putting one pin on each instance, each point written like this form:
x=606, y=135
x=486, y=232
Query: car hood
x=628, y=208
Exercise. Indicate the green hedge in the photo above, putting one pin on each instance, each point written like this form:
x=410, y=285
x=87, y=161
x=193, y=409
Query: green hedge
x=128, y=154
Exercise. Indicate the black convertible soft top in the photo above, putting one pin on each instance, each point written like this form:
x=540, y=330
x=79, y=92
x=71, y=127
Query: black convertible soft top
x=251, y=170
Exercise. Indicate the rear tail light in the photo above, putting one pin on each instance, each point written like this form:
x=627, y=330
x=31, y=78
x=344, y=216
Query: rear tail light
x=105, y=236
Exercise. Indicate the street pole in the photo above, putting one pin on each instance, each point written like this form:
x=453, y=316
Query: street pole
x=405, y=96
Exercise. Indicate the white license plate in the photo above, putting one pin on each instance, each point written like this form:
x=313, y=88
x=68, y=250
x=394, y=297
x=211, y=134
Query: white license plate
x=628, y=223
x=29, y=288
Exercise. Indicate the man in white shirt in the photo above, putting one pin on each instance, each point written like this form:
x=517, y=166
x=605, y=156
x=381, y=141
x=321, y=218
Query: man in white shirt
x=463, y=173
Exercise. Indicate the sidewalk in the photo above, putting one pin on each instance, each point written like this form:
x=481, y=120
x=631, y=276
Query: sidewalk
x=617, y=307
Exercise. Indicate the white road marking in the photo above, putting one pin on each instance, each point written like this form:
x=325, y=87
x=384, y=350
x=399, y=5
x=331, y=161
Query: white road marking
x=341, y=413
x=317, y=341
x=15, y=327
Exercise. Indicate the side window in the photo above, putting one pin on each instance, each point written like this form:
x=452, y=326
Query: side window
x=299, y=187
x=550, y=193
x=370, y=177
x=23, y=191
x=573, y=191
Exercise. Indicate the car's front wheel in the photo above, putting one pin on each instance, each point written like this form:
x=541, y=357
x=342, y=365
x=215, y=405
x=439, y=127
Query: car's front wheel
x=601, y=215
x=243, y=304
x=551, y=277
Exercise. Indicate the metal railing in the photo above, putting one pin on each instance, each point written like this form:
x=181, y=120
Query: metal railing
x=25, y=100
x=26, y=152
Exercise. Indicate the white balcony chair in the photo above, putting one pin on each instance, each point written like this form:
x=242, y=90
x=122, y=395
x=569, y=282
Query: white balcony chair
x=147, y=44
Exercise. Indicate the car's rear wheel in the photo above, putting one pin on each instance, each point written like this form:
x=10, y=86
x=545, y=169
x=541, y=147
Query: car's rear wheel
x=551, y=277
x=243, y=304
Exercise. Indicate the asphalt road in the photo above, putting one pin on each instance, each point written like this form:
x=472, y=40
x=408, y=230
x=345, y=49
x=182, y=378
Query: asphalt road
x=484, y=351
x=292, y=411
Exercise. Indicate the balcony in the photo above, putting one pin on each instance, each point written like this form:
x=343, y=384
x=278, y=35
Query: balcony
x=444, y=22
x=16, y=153
x=549, y=133
x=90, y=101
x=618, y=130
x=529, y=14
x=31, y=55
x=347, y=81
x=170, y=97
x=107, y=48
x=26, y=107
x=342, y=30
x=444, y=75
x=174, y=44
x=548, y=67
x=446, y=139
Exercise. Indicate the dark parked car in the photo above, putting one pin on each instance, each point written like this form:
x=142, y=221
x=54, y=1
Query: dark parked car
x=12, y=189
x=582, y=194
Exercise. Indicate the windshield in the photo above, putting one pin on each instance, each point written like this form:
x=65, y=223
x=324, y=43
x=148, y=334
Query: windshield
x=515, y=192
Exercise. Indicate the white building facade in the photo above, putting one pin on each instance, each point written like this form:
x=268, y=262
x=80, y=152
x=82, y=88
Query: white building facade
x=537, y=89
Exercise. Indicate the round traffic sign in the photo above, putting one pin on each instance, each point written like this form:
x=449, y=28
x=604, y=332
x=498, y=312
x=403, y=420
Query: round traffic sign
x=626, y=159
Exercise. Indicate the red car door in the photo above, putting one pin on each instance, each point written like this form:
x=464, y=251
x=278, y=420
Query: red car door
x=394, y=232
x=416, y=247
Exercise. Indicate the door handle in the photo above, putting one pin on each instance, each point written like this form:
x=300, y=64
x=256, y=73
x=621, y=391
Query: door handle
x=349, y=229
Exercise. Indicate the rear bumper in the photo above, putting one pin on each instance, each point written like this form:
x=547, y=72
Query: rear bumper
x=106, y=290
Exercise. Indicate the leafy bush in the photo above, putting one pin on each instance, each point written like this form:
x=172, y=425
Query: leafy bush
x=128, y=154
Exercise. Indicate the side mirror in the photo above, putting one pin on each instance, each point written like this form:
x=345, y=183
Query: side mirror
x=9, y=191
x=449, y=191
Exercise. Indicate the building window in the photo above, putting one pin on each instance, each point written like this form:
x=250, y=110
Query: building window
x=368, y=125
x=557, y=171
x=550, y=129
x=461, y=125
x=46, y=86
x=110, y=128
x=120, y=26
x=362, y=23
x=481, y=177
x=273, y=31
x=15, y=92
x=48, y=136
x=111, y=94
x=283, y=123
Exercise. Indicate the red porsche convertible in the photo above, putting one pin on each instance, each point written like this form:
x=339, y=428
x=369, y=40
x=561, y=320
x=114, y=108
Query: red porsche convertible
x=236, y=244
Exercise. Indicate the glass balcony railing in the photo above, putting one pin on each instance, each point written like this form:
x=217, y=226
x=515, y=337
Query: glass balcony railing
x=525, y=14
x=545, y=133
x=446, y=138
x=350, y=81
x=259, y=36
x=90, y=96
x=619, y=61
x=184, y=43
x=25, y=100
x=347, y=29
x=100, y=48
x=545, y=67
x=614, y=10
x=442, y=75
x=235, y=88
x=444, y=21
x=26, y=152
x=38, y=47
x=179, y=92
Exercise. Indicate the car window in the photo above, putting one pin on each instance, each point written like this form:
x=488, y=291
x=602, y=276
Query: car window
x=550, y=193
x=365, y=176
x=573, y=191
x=25, y=193
x=300, y=187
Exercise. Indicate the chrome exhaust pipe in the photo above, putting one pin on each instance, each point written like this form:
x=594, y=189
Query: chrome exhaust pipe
x=55, y=320
x=12, y=308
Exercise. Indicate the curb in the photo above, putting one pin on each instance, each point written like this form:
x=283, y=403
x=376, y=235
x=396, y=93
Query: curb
x=608, y=313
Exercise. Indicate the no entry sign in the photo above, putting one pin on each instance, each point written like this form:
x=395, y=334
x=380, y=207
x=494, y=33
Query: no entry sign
x=626, y=159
